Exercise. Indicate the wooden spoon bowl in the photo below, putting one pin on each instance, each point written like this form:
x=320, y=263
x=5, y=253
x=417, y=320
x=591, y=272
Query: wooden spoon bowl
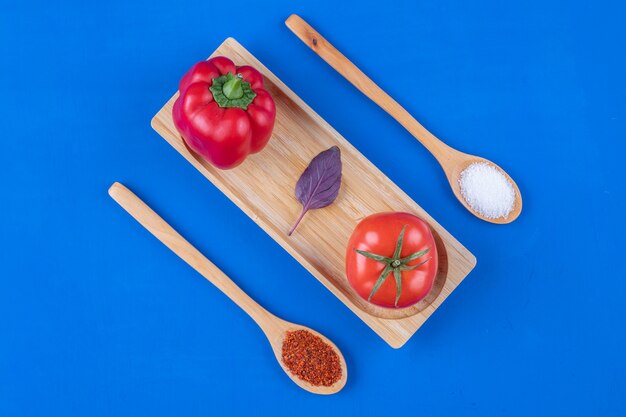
x=277, y=335
x=458, y=162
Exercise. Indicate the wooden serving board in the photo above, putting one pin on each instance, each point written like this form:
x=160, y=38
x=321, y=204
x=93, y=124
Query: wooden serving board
x=263, y=187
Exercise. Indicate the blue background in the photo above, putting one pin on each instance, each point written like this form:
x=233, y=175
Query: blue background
x=97, y=318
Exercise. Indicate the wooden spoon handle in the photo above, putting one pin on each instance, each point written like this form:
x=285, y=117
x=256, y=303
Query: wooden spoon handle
x=343, y=66
x=186, y=251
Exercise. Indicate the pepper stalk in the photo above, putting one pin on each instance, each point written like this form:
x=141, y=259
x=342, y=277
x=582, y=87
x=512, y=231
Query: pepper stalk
x=232, y=91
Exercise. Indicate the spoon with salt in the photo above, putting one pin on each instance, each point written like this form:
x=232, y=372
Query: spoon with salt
x=484, y=188
x=277, y=330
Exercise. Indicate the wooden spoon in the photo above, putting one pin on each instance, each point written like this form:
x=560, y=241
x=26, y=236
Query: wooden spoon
x=274, y=327
x=452, y=161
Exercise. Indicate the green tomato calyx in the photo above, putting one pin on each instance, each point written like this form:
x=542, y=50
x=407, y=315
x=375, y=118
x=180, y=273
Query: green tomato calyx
x=394, y=264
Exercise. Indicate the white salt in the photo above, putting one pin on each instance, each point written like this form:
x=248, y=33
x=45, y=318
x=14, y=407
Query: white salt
x=487, y=190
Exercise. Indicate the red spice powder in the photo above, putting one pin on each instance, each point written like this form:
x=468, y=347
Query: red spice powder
x=309, y=358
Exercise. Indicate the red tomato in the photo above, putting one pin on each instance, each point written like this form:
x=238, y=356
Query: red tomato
x=391, y=259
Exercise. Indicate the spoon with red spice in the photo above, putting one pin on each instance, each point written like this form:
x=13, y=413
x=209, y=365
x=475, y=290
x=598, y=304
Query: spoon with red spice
x=309, y=358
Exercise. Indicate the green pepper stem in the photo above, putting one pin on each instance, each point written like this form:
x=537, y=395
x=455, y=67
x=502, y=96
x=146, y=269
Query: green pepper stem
x=232, y=88
x=232, y=91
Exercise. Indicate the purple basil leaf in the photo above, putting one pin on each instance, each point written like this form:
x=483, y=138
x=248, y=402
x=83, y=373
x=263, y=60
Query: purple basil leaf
x=319, y=184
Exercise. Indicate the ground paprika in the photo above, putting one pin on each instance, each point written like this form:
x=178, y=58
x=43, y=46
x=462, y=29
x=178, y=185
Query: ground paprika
x=309, y=358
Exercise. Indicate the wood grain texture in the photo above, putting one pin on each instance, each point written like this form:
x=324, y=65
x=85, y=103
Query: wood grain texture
x=274, y=327
x=452, y=161
x=263, y=187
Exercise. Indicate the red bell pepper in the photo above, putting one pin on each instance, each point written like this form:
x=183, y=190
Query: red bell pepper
x=223, y=111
